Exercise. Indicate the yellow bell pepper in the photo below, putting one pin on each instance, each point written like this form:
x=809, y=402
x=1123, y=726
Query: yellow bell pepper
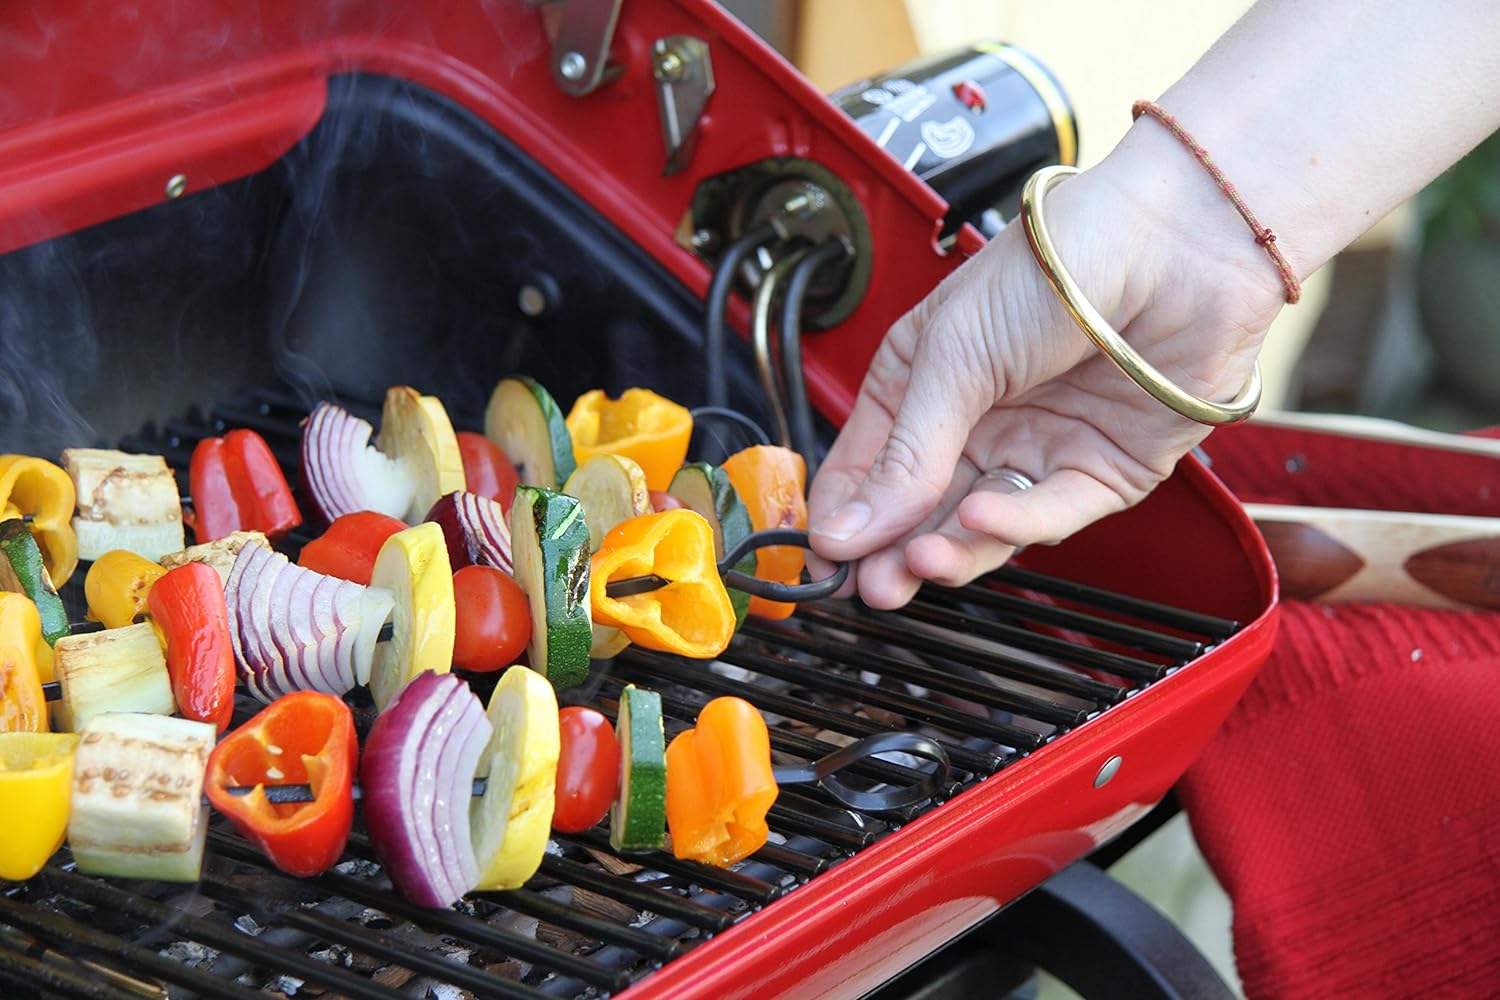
x=23, y=707
x=116, y=586
x=641, y=425
x=690, y=615
x=37, y=487
x=36, y=782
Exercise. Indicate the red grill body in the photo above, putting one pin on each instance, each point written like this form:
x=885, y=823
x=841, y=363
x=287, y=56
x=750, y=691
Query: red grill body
x=105, y=103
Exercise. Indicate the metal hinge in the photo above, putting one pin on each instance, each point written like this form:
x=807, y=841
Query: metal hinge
x=581, y=33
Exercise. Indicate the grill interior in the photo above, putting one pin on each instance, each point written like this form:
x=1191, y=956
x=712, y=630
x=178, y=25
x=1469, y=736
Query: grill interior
x=991, y=671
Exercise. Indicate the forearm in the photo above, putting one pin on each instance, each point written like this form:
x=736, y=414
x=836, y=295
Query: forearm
x=1325, y=115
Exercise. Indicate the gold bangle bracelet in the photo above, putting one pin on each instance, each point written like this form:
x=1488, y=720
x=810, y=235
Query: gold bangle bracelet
x=1104, y=336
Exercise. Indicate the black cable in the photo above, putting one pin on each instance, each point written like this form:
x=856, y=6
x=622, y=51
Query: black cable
x=799, y=415
x=703, y=415
x=718, y=300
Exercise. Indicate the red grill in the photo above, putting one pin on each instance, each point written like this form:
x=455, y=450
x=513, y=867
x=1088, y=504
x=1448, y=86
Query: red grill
x=399, y=193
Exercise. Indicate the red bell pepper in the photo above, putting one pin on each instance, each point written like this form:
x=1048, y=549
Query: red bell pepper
x=488, y=471
x=306, y=737
x=187, y=604
x=238, y=486
x=348, y=548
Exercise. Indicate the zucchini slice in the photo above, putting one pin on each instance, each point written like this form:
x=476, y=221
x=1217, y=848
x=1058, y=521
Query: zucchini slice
x=706, y=489
x=413, y=566
x=24, y=571
x=612, y=488
x=523, y=419
x=415, y=431
x=549, y=545
x=638, y=819
x=510, y=824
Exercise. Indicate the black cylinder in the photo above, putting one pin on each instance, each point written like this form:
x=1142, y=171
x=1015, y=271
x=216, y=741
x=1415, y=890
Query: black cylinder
x=974, y=124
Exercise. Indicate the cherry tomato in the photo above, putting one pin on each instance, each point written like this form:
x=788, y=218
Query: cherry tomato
x=665, y=501
x=487, y=469
x=492, y=619
x=348, y=548
x=588, y=769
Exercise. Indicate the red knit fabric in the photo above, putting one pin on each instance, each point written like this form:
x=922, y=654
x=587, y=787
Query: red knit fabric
x=1351, y=804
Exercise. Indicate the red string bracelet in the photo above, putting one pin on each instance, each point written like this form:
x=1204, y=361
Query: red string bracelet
x=1263, y=236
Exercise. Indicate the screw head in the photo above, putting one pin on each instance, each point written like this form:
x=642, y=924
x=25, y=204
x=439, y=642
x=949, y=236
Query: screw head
x=1109, y=770
x=572, y=66
x=177, y=186
x=669, y=65
x=532, y=301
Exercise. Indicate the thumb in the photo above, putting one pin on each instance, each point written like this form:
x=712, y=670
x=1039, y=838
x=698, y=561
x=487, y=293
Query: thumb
x=911, y=470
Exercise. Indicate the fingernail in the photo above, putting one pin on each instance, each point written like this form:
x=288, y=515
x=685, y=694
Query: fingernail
x=845, y=522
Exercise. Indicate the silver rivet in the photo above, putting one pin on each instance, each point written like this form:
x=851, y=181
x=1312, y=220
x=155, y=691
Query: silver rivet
x=177, y=186
x=532, y=301
x=1109, y=770
x=572, y=65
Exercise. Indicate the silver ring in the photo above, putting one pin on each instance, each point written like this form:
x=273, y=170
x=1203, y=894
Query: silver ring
x=1020, y=480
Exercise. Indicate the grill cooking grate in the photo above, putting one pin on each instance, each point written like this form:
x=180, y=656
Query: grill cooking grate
x=990, y=671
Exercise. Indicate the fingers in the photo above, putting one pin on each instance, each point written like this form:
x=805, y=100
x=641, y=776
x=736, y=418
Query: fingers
x=1057, y=506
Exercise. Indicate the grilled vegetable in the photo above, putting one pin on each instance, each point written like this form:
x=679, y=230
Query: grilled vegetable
x=523, y=419
x=124, y=502
x=588, y=769
x=417, y=775
x=138, y=797
x=638, y=820
x=348, y=548
x=116, y=586
x=413, y=568
x=475, y=528
x=117, y=670
x=306, y=737
x=294, y=630
x=344, y=473
x=492, y=619
x=719, y=784
x=550, y=544
x=237, y=485
x=188, y=605
x=23, y=708
x=690, y=615
x=510, y=824
x=651, y=429
x=219, y=553
x=706, y=489
x=37, y=487
x=415, y=431
x=488, y=471
x=23, y=571
x=36, y=784
x=771, y=481
x=612, y=488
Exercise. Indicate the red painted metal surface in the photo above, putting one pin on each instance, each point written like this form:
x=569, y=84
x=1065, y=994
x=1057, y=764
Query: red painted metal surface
x=101, y=105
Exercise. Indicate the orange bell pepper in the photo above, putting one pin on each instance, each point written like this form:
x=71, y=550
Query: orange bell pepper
x=23, y=707
x=641, y=425
x=771, y=482
x=692, y=614
x=306, y=737
x=37, y=487
x=719, y=784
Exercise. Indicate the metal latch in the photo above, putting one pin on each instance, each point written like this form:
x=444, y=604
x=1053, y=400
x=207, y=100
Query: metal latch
x=581, y=33
x=684, y=82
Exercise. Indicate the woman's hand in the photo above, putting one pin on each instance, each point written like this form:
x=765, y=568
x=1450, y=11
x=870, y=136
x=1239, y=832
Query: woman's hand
x=990, y=372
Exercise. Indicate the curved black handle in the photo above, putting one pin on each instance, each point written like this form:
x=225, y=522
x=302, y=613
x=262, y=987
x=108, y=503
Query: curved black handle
x=791, y=593
x=823, y=772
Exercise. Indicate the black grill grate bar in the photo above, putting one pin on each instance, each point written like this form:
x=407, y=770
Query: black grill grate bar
x=1057, y=678
x=1012, y=635
x=1109, y=600
x=639, y=664
x=534, y=904
x=372, y=943
x=725, y=880
x=928, y=676
x=786, y=816
x=804, y=747
x=791, y=860
x=1078, y=621
x=34, y=975
x=75, y=935
x=642, y=897
x=809, y=676
x=259, y=953
x=274, y=428
x=448, y=922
